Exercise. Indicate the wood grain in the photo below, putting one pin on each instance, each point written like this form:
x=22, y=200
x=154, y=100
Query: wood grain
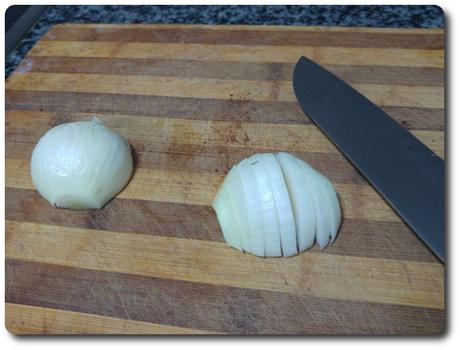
x=228, y=70
x=315, y=274
x=244, y=37
x=198, y=109
x=208, y=307
x=193, y=100
x=150, y=132
x=25, y=319
x=399, y=95
x=269, y=28
x=393, y=241
x=242, y=53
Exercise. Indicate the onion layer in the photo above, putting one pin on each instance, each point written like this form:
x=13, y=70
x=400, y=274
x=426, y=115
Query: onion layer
x=81, y=165
x=277, y=206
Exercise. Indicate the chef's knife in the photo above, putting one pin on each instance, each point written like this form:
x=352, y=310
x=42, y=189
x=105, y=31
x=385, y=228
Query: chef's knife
x=404, y=171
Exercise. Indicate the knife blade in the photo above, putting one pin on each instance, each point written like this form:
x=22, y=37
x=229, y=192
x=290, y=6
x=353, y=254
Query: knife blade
x=408, y=175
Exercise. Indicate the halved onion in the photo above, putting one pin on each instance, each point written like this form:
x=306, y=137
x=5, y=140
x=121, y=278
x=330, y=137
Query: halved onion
x=277, y=205
x=81, y=165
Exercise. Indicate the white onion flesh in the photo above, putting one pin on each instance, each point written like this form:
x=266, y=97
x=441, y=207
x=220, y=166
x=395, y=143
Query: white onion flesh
x=253, y=207
x=272, y=239
x=282, y=203
x=81, y=165
x=322, y=209
x=301, y=198
x=335, y=213
x=226, y=214
x=282, y=206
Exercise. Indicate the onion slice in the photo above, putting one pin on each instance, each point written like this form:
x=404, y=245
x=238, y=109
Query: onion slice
x=282, y=202
x=224, y=207
x=272, y=240
x=253, y=208
x=322, y=230
x=300, y=192
x=330, y=196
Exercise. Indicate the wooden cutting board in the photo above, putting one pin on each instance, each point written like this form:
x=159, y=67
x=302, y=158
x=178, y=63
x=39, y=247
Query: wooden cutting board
x=192, y=101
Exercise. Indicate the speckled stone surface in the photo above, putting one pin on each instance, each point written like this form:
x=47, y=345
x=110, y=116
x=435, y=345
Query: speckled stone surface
x=351, y=16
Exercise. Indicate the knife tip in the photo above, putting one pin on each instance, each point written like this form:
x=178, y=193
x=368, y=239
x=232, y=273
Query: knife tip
x=302, y=58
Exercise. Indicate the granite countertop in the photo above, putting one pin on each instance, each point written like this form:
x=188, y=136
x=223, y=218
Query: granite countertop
x=351, y=16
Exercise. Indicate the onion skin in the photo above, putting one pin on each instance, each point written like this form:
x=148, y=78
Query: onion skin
x=81, y=165
x=285, y=207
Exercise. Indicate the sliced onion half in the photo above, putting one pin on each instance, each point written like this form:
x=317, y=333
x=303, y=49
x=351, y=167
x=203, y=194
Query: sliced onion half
x=277, y=205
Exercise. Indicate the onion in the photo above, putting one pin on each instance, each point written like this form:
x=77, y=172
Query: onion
x=253, y=207
x=321, y=208
x=300, y=192
x=277, y=205
x=81, y=165
x=335, y=213
x=272, y=240
x=227, y=213
x=282, y=203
